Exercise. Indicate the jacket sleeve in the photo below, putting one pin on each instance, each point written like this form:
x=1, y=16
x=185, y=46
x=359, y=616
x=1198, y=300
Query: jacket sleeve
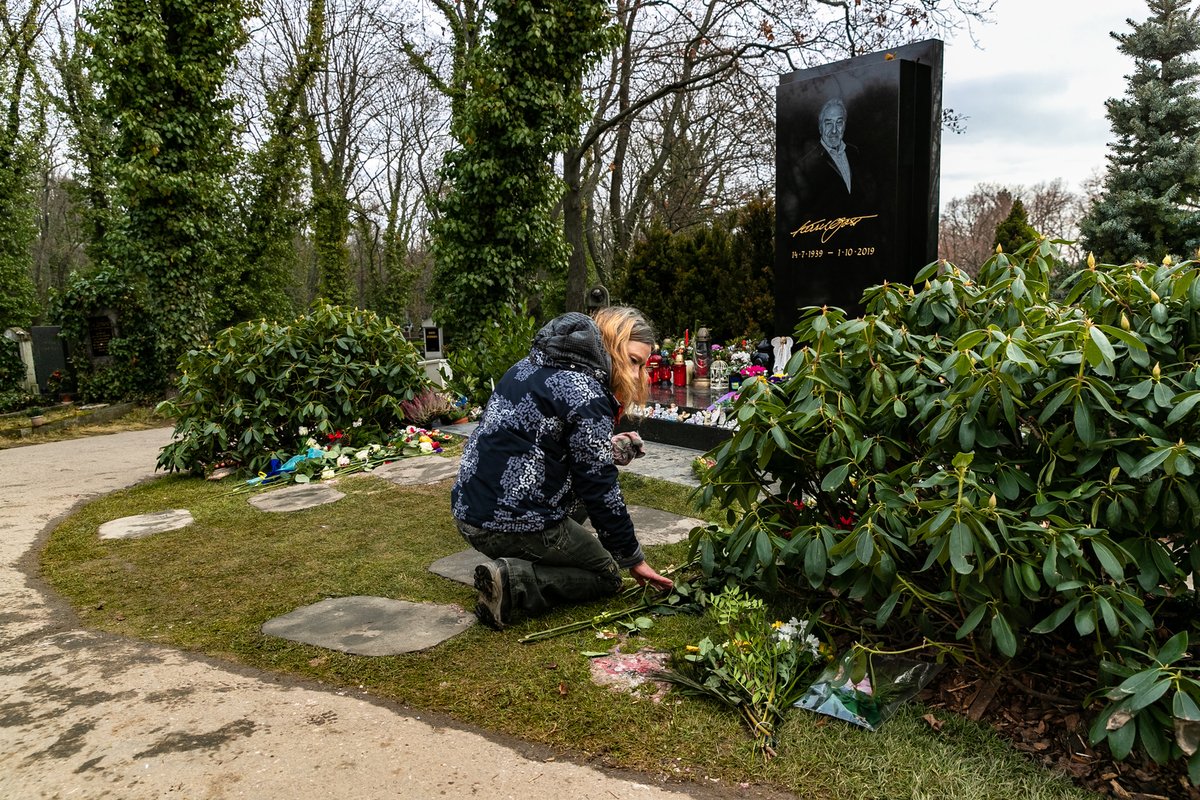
x=594, y=477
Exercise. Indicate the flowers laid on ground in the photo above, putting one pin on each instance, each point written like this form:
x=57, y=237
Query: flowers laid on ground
x=336, y=456
x=760, y=669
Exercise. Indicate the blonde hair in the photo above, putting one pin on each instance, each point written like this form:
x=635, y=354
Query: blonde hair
x=619, y=325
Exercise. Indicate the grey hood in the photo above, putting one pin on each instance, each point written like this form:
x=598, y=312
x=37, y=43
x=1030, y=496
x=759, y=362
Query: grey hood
x=572, y=341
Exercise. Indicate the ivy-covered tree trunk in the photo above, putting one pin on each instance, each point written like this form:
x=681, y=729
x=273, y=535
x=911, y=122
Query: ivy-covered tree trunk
x=91, y=139
x=331, y=227
x=162, y=71
x=255, y=282
x=573, y=227
x=495, y=233
x=18, y=228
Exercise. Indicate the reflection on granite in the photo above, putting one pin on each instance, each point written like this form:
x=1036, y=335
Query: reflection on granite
x=690, y=396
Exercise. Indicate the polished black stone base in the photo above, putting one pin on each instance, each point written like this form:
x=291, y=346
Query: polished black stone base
x=687, y=398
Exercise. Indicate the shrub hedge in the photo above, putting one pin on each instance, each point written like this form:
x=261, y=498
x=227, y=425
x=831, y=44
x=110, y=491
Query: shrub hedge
x=246, y=397
x=979, y=464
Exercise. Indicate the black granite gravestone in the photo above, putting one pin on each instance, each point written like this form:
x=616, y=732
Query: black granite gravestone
x=49, y=354
x=856, y=177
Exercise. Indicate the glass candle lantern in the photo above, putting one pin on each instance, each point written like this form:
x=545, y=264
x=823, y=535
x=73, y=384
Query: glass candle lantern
x=718, y=375
x=679, y=370
x=703, y=355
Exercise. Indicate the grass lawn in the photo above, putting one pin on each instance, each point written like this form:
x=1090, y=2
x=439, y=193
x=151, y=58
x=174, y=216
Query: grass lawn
x=209, y=588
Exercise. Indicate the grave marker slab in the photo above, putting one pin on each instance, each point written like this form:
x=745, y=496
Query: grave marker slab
x=660, y=527
x=460, y=566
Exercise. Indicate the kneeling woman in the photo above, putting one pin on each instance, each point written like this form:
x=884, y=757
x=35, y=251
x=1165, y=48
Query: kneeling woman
x=544, y=443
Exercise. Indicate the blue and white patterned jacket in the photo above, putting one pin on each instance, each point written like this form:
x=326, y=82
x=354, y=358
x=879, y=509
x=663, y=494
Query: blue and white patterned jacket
x=545, y=440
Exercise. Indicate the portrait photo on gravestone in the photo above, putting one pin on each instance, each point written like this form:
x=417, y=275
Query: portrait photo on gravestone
x=856, y=177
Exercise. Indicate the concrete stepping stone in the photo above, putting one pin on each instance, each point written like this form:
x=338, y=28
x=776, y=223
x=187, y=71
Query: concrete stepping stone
x=463, y=429
x=652, y=525
x=296, y=497
x=666, y=462
x=460, y=566
x=370, y=626
x=146, y=524
x=418, y=470
x=659, y=527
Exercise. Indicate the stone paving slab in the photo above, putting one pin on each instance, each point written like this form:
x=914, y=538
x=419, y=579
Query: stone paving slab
x=463, y=429
x=660, y=527
x=371, y=626
x=459, y=566
x=418, y=470
x=143, y=525
x=666, y=462
x=296, y=497
x=653, y=527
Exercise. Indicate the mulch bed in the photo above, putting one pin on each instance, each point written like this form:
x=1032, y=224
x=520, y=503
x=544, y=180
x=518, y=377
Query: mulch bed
x=1040, y=708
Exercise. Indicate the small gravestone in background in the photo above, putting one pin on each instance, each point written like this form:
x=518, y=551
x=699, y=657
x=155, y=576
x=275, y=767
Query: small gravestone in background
x=431, y=343
x=49, y=355
x=22, y=344
x=856, y=177
x=102, y=329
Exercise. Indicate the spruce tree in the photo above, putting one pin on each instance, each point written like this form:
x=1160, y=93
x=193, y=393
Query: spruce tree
x=1150, y=203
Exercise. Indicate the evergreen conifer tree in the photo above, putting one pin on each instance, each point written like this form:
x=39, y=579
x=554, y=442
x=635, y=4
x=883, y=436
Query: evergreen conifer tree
x=1015, y=230
x=1150, y=203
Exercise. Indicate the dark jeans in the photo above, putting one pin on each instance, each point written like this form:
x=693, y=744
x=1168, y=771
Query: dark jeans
x=561, y=565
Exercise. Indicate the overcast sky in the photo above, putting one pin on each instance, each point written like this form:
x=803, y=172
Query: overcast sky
x=1033, y=91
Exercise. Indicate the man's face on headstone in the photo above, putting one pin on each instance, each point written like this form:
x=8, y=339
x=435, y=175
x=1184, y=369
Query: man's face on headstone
x=833, y=126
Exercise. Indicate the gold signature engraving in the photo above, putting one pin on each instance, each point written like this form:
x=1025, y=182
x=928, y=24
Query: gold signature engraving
x=828, y=227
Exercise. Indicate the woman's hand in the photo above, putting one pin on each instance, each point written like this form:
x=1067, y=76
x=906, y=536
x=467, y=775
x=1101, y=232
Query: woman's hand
x=644, y=574
x=626, y=447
